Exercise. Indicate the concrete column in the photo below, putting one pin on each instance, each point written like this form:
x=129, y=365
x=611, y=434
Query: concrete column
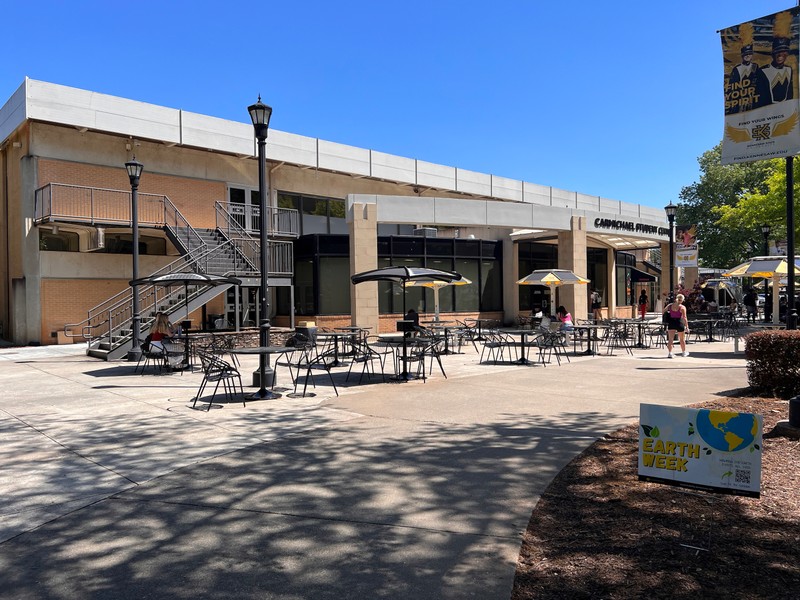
x=611, y=276
x=510, y=277
x=363, y=226
x=572, y=256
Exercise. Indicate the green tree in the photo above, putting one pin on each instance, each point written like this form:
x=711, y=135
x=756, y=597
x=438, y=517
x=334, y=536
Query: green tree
x=724, y=240
x=763, y=206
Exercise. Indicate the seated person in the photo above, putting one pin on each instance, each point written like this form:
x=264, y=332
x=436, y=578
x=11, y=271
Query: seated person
x=566, y=319
x=412, y=315
x=161, y=330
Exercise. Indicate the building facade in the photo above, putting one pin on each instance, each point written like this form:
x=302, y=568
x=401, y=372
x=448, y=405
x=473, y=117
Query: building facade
x=66, y=241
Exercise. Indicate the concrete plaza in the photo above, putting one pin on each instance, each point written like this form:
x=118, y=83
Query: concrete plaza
x=113, y=487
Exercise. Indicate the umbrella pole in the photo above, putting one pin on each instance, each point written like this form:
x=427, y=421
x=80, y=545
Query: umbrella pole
x=436, y=303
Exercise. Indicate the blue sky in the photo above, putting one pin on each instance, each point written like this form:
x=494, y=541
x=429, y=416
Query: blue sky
x=615, y=99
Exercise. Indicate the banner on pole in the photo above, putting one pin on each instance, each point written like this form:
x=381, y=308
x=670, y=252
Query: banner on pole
x=686, y=248
x=762, y=118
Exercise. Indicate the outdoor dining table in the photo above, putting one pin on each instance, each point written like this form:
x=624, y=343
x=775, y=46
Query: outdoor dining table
x=708, y=322
x=641, y=326
x=440, y=329
x=591, y=335
x=523, y=334
x=263, y=393
x=402, y=340
x=479, y=323
x=336, y=336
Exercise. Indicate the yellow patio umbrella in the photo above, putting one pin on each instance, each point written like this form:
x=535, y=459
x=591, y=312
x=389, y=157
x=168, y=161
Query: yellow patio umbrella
x=436, y=285
x=553, y=278
x=768, y=267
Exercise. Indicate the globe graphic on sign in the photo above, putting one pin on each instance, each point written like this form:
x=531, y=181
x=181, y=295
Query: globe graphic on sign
x=726, y=431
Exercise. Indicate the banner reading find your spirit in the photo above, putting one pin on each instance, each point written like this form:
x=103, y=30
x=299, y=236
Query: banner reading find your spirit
x=703, y=449
x=762, y=118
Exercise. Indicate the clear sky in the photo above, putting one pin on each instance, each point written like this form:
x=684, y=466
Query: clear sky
x=615, y=99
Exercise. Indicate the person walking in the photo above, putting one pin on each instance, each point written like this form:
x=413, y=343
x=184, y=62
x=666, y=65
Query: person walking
x=677, y=322
x=596, y=300
x=750, y=302
x=643, y=303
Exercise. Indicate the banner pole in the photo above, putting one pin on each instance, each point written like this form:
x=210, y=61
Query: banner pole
x=791, y=309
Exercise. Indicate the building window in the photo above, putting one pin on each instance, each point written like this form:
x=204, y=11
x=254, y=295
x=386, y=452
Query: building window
x=317, y=215
x=532, y=256
x=329, y=255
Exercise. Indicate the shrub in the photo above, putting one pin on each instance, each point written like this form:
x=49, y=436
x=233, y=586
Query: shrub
x=773, y=362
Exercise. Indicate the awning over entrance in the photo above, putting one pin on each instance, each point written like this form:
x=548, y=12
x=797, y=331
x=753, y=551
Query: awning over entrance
x=638, y=276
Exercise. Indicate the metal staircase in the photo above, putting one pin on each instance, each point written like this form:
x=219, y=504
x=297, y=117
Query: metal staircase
x=226, y=250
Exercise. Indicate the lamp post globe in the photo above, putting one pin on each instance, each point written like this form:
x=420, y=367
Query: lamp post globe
x=671, y=209
x=260, y=115
x=134, y=169
x=765, y=229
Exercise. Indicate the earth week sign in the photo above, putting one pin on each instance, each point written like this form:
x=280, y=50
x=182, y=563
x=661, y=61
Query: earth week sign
x=703, y=449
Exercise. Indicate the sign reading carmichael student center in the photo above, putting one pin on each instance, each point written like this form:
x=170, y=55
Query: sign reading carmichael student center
x=703, y=449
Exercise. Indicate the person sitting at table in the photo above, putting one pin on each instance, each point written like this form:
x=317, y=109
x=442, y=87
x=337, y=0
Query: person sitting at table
x=161, y=330
x=566, y=319
x=412, y=315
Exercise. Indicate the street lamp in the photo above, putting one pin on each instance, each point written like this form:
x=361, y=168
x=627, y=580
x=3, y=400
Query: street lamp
x=765, y=229
x=260, y=114
x=134, y=169
x=670, y=209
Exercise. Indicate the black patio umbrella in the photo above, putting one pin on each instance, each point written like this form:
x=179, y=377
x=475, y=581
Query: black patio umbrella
x=186, y=279
x=402, y=274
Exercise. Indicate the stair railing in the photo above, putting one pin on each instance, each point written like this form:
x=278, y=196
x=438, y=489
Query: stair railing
x=179, y=226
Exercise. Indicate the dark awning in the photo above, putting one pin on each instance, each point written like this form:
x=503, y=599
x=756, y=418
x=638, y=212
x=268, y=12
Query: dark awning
x=638, y=276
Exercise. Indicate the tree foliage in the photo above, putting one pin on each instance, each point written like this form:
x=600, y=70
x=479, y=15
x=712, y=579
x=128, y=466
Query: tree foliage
x=766, y=206
x=725, y=208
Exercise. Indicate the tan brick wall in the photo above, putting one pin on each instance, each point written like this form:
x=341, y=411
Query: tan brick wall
x=193, y=197
x=68, y=300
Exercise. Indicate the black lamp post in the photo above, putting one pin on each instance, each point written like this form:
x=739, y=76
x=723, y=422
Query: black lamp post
x=134, y=169
x=765, y=229
x=670, y=209
x=260, y=114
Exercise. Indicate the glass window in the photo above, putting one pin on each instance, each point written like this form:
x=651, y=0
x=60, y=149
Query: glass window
x=468, y=296
x=338, y=223
x=532, y=256
x=597, y=271
x=334, y=295
x=446, y=294
x=491, y=285
x=439, y=247
x=314, y=215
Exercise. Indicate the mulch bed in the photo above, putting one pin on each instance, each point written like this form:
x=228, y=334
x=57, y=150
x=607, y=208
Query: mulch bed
x=598, y=532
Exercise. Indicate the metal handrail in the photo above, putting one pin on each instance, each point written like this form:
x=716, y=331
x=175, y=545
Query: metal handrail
x=226, y=223
x=184, y=233
x=115, y=314
x=96, y=206
x=283, y=222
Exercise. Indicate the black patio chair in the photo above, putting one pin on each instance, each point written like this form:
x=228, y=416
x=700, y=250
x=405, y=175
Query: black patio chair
x=219, y=371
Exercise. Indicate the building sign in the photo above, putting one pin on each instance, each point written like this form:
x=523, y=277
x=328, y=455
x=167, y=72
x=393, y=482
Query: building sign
x=702, y=449
x=762, y=120
x=632, y=226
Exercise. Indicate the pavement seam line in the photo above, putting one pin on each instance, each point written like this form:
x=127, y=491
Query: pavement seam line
x=68, y=449
x=311, y=517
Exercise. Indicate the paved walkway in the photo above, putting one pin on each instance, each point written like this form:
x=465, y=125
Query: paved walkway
x=112, y=487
